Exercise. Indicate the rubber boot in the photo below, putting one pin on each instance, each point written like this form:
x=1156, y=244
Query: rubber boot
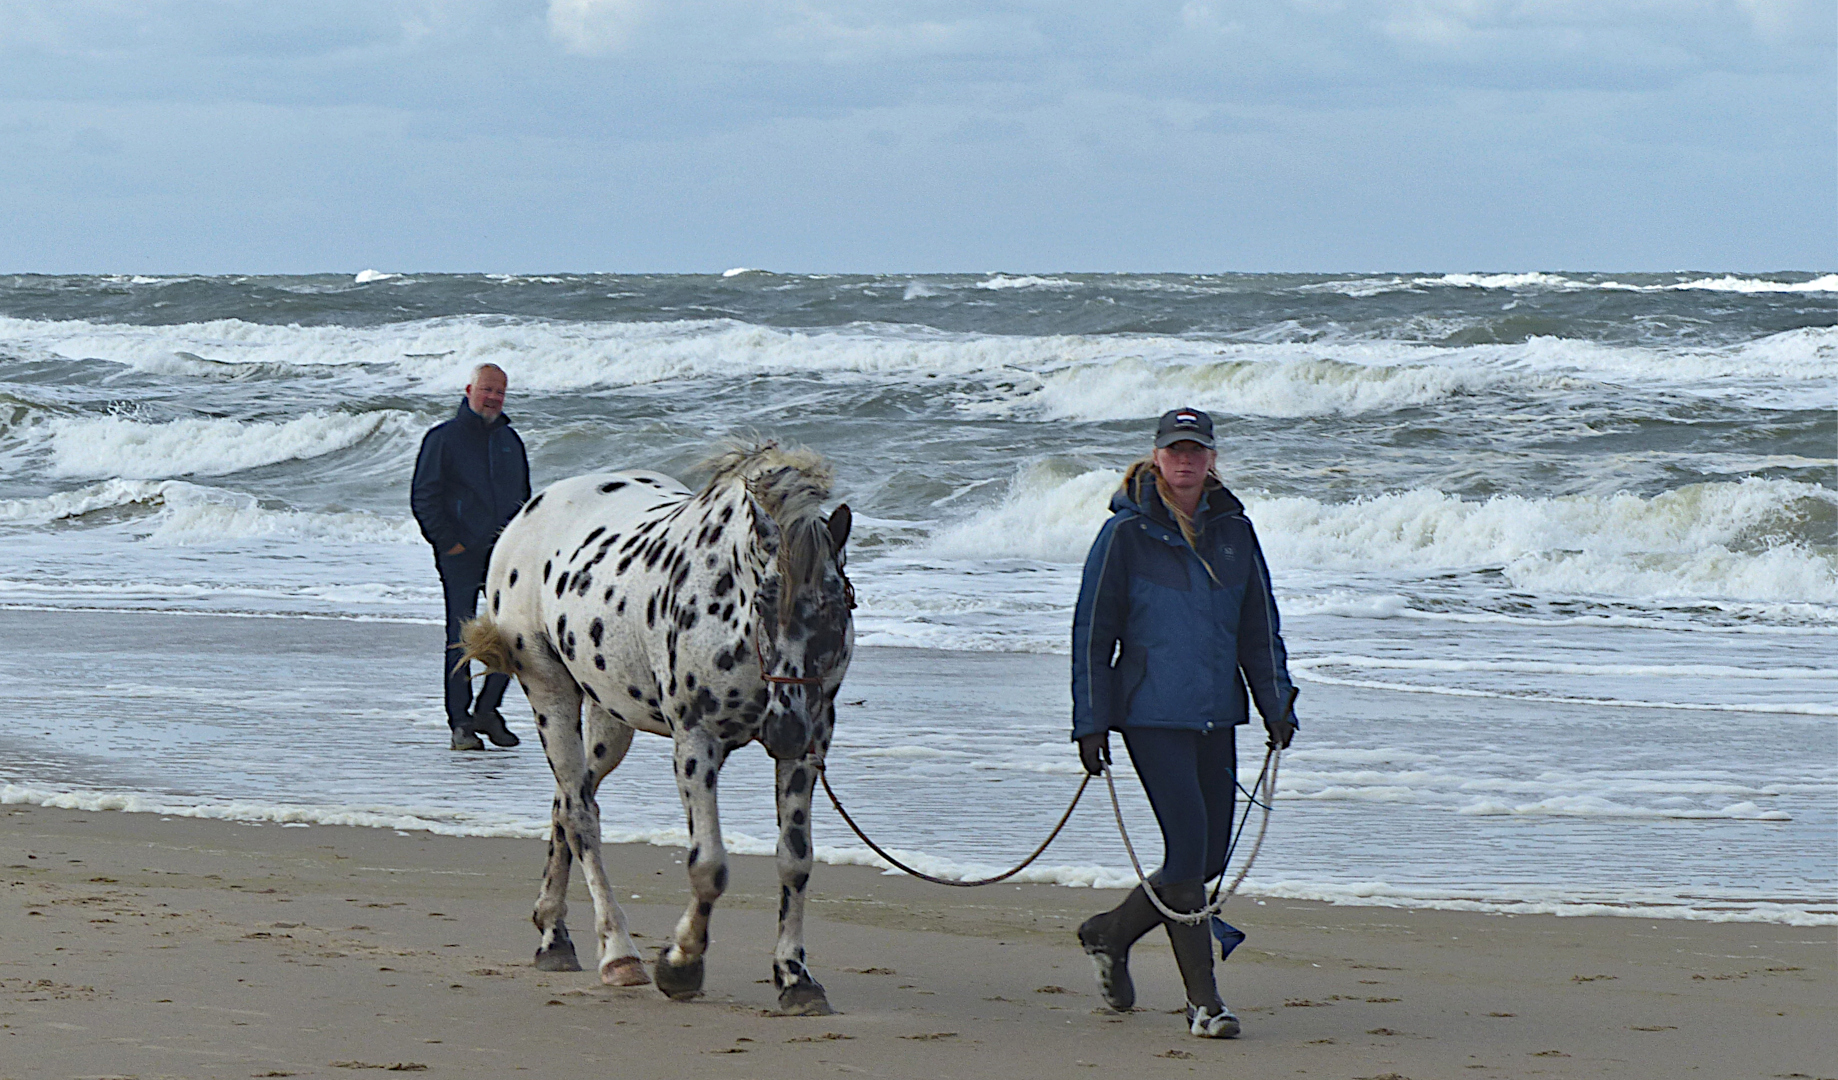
x=1107, y=939
x=1207, y=1015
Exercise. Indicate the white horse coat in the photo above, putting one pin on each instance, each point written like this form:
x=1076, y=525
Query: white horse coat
x=716, y=618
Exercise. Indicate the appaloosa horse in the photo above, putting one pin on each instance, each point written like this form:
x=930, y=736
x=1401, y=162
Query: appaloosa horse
x=714, y=618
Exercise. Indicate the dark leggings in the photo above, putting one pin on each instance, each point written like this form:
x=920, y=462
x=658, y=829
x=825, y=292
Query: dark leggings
x=1191, y=778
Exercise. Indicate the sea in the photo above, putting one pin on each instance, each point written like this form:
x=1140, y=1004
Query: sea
x=1556, y=553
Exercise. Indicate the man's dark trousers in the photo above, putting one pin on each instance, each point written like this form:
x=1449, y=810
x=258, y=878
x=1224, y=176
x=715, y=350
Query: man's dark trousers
x=462, y=578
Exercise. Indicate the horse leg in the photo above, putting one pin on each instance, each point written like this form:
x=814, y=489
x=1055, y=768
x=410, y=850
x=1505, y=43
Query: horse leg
x=556, y=701
x=799, y=993
x=679, y=964
x=619, y=962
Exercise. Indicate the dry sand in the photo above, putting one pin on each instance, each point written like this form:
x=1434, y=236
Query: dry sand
x=132, y=945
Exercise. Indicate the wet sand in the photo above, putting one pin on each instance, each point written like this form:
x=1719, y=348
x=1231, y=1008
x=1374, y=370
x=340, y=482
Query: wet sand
x=132, y=945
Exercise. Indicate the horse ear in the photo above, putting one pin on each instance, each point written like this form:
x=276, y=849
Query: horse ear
x=839, y=527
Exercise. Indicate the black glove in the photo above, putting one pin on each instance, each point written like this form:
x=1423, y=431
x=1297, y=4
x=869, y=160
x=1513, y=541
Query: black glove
x=1094, y=751
x=1281, y=731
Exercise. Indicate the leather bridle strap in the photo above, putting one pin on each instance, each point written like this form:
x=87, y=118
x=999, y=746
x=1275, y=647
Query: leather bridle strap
x=783, y=680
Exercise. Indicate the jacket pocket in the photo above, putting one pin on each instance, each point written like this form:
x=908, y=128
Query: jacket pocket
x=1131, y=668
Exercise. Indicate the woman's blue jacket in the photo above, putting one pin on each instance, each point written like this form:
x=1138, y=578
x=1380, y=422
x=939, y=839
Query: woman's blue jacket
x=1156, y=641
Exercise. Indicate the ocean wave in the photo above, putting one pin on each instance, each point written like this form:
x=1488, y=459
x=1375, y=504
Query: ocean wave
x=1750, y=540
x=179, y=513
x=1025, y=281
x=1367, y=287
x=1080, y=377
x=118, y=446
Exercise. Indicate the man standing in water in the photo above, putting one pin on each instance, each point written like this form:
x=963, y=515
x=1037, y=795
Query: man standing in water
x=471, y=478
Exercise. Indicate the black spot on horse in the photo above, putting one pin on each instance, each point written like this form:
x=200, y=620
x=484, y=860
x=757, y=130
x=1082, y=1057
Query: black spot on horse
x=607, y=597
x=651, y=612
x=705, y=907
x=797, y=817
x=513, y=579
x=519, y=645
x=561, y=625
x=721, y=875
x=495, y=597
x=611, y=486
x=546, y=567
x=784, y=905
x=633, y=690
x=724, y=660
x=600, y=663
x=798, y=883
x=694, y=854
x=800, y=847
x=620, y=610
x=530, y=506
x=599, y=749
x=595, y=630
x=561, y=585
x=541, y=720
x=708, y=779
x=724, y=583
x=798, y=782
x=583, y=581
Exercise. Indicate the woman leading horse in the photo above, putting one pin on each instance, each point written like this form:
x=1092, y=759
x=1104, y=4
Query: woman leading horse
x=1175, y=619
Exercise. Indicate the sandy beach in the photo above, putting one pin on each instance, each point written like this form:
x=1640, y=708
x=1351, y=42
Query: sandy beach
x=148, y=947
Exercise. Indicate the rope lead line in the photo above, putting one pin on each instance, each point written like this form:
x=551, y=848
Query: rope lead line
x=1267, y=782
x=823, y=774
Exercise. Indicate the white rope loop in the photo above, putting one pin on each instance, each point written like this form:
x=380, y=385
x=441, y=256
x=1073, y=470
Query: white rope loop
x=1193, y=918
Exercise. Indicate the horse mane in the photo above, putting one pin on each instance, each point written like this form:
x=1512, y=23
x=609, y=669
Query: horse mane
x=790, y=484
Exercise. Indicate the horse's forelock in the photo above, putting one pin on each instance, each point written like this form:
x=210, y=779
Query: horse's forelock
x=790, y=484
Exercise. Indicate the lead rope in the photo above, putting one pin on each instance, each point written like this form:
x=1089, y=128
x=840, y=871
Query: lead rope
x=1266, y=784
x=823, y=775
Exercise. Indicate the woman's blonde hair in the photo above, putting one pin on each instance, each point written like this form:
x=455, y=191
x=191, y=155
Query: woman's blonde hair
x=1190, y=531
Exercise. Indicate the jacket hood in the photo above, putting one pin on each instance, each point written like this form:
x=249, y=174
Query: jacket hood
x=1138, y=494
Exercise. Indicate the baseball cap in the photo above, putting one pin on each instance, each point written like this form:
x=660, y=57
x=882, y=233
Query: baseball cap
x=1184, y=425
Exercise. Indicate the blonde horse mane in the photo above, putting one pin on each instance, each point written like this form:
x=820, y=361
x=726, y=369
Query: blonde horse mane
x=790, y=484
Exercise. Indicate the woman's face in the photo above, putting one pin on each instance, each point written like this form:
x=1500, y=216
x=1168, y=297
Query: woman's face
x=1184, y=465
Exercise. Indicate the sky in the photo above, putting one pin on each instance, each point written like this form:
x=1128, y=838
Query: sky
x=285, y=136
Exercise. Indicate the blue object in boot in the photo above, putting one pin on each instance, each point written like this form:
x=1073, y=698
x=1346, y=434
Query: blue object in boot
x=1228, y=936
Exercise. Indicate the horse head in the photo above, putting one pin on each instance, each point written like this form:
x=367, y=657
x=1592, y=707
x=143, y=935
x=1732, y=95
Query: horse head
x=806, y=634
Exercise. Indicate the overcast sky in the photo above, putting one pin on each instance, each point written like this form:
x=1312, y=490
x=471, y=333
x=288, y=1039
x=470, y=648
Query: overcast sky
x=900, y=135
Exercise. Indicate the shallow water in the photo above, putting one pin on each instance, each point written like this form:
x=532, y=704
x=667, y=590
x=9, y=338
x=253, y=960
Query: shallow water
x=1558, y=550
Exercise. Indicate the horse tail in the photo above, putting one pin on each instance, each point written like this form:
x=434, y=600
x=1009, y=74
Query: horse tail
x=481, y=641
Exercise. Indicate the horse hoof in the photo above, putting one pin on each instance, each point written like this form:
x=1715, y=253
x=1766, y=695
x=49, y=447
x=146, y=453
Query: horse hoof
x=624, y=971
x=557, y=957
x=679, y=982
x=804, y=999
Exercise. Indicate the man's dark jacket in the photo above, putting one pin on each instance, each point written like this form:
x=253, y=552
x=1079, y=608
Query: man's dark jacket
x=1156, y=641
x=470, y=480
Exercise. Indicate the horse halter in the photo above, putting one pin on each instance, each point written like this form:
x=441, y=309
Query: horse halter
x=782, y=680
x=790, y=680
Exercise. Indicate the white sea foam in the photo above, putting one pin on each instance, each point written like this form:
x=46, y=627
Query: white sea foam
x=1025, y=281
x=365, y=277
x=1373, y=286
x=121, y=447
x=739, y=270
x=183, y=513
x=1098, y=377
x=1740, y=541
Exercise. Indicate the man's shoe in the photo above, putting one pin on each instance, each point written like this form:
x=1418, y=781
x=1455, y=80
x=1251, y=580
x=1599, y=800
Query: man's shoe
x=490, y=723
x=464, y=739
x=1212, y=1021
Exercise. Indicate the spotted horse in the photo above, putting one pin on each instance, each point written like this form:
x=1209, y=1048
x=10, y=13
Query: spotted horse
x=715, y=618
